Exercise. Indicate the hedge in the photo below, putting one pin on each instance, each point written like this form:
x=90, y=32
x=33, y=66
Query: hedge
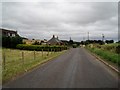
x=40, y=47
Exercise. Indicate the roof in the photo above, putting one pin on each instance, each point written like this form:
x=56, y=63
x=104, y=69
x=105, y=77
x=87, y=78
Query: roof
x=6, y=30
x=54, y=40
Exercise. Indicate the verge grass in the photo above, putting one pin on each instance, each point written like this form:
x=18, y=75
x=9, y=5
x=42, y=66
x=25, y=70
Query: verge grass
x=15, y=64
x=107, y=52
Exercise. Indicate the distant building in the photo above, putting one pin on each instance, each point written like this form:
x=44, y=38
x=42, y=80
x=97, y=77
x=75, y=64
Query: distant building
x=65, y=42
x=6, y=32
x=54, y=41
x=27, y=41
x=30, y=42
x=44, y=42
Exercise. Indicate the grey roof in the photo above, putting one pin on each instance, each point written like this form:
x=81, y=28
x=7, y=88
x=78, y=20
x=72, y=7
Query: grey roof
x=6, y=30
x=54, y=40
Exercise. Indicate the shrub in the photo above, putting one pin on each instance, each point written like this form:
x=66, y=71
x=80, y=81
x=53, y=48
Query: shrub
x=118, y=49
x=11, y=42
x=40, y=47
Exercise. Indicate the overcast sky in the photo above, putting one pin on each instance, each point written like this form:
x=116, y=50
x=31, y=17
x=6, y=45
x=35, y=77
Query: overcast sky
x=40, y=20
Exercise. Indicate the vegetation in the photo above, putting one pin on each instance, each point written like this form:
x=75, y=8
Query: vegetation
x=109, y=41
x=36, y=43
x=74, y=45
x=11, y=42
x=110, y=52
x=96, y=42
x=92, y=42
x=19, y=61
x=40, y=47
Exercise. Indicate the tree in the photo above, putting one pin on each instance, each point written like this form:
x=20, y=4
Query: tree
x=36, y=43
x=109, y=41
x=11, y=42
x=71, y=42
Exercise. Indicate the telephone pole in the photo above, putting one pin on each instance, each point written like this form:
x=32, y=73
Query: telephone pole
x=103, y=37
x=88, y=35
x=83, y=38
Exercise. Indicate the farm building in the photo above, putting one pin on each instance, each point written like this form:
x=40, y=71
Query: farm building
x=10, y=33
x=54, y=41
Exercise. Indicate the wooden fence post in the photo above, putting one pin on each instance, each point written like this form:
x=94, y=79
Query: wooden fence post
x=51, y=50
x=54, y=50
x=34, y=55
x=4, y=61
x=23, y=57
x=42, y=52
x=48, y=52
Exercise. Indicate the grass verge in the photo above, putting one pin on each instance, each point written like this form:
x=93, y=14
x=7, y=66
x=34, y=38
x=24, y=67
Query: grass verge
x=106, y=55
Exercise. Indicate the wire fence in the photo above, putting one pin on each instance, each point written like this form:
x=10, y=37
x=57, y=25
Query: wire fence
x=11, y=57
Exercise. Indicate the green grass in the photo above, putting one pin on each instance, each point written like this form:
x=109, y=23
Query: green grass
x=16, y=65
x=106, y=52
x=110, y=47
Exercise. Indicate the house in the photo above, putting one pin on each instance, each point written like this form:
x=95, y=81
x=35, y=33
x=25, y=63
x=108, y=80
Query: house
x=30, y=42
x=27, y=41
x=54, y=41
x=65, y=42
x=7, y=33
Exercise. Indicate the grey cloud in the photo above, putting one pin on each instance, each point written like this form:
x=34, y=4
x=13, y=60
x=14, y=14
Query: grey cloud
x=68, y=19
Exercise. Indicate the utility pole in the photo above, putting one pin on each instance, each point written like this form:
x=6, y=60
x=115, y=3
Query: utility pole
x=83, y=38
x=103, y=37
x=88, y=35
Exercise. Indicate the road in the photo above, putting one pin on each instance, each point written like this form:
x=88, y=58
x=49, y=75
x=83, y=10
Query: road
x=75, y=69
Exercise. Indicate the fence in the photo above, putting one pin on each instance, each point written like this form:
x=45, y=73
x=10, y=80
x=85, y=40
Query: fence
x=13, y=57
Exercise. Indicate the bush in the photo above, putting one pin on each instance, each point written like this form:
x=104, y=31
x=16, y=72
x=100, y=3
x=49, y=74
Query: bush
x=118, y=49
x=11, y=42
x=40, y=47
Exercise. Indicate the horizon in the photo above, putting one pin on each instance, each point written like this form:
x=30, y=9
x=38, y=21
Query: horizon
x=58, y=37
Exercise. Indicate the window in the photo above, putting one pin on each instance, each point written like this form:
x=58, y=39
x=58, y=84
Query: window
x=10, y=34
x=13, y=35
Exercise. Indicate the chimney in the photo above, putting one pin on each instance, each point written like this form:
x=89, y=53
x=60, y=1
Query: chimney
x=53, y=36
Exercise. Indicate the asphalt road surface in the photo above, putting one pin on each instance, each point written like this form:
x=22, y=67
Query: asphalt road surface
x=75, y=69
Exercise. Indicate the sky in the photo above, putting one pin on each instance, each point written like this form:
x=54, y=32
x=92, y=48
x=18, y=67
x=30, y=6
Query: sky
x=41, y=20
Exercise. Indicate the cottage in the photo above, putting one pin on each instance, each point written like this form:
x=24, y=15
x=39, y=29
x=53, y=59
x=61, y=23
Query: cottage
x=10, y=33
x=54, y=41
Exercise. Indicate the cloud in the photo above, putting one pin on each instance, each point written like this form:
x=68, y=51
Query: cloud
x=66, y=19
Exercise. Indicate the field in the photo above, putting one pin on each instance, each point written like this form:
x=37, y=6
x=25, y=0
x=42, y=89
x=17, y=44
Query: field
x=16, y=62
x=107, y=52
